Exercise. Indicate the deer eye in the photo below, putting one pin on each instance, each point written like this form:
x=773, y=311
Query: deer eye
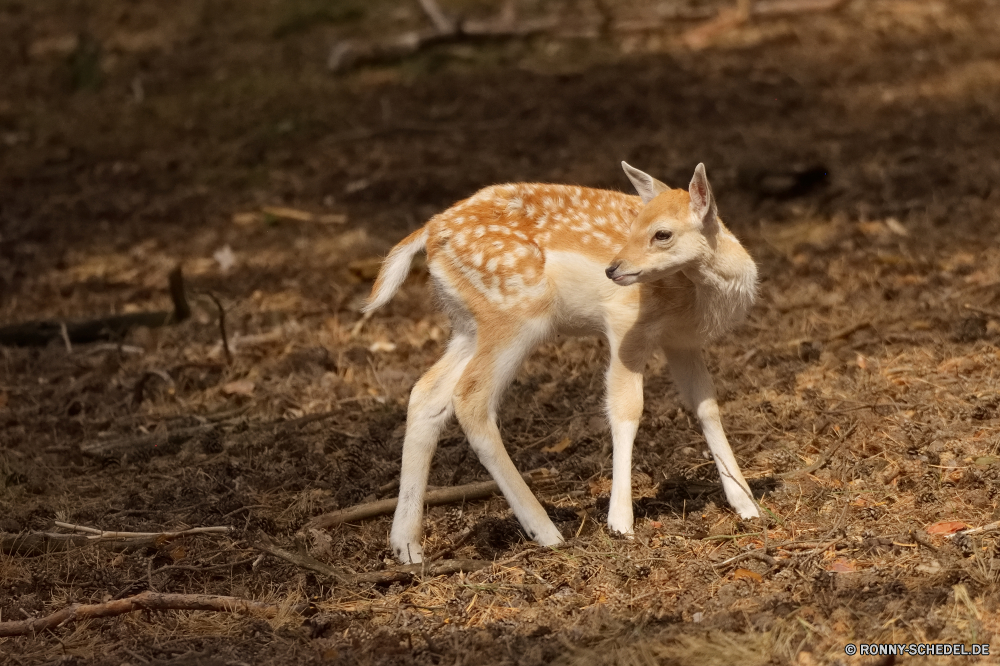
x=663, y=235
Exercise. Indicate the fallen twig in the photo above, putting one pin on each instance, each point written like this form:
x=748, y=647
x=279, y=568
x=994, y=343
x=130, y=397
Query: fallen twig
x=976, y=530
x=140, y=442
x=402, y=574
x=407, y=573
x=40, y=543
x=304, y=561
x=730, y=18
x=293, y=424
x=143, y=601
x=848, y=331
x=786, y=7
x=504, y=26
x=137, y=392
x=222, y=327
x=822, y=460
x=40, y=333
x=181, y=435
x=469, y=491
x=348, y=54
x=197, y=569
x=97, y=534
x=992, y=314
x=437, y=17
x=750, y=555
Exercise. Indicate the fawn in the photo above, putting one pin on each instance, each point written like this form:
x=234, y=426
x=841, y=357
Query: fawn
x=513, y=265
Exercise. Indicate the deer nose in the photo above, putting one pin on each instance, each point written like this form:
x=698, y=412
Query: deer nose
x=610, y=270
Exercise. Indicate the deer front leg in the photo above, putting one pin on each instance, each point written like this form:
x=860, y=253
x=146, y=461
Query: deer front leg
x=624, y=405
x=695, y=386
x=429, y=411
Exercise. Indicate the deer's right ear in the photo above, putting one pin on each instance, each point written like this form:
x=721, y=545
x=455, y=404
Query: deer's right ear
x=645, y=185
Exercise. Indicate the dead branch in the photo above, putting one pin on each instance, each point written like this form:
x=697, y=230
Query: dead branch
x=140, y=386
x=789, y=7
x=822, y=460
x=197, y=569
x=437, y=17
x=750, y=555
x=469, y=491
x=409, y=572
x=729, y=19
x=222, y=327
x=295, y=424
x=97, y=534
x=353, y=53
x=115, y=327
x=304, y=561
x=147, y=442
x=976, y=530
x=41, y=543
x=181, y=435
x=143, y=601
x=992, y=314
x=402, y=574
x=848, y=331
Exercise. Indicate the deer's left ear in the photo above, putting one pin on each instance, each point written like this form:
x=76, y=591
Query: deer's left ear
x=703, y=201
x=645, y=185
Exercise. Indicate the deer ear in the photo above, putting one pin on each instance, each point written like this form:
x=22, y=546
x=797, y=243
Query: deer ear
x=645, y=185
x=703, y=201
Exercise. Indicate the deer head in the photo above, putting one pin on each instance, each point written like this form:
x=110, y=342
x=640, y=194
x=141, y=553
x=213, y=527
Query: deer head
x=675, y=230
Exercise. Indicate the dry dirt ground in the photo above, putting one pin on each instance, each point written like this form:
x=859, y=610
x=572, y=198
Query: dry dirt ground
x=856, y=152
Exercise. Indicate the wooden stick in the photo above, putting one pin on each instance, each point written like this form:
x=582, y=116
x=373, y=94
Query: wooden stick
x=409, y=572
x=304, y=561
x=137, y=392
x=222, y=326
x=822, y=460
x=40, y=543
x=181, y=435
x=976, y=530
x=144, y=601
x=103, y=534
x=402, y=574
x=470, y=491
x=754, y=555
x=992, y=314
x=39, y=333
x=437, y=17
x=787, y=7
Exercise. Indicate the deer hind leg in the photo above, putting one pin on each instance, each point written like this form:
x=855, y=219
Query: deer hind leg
x=430, y=409
x=694, y=383
x=476, y=398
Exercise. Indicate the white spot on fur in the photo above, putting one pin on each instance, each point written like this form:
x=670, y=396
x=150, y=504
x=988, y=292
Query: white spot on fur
x=514, y=205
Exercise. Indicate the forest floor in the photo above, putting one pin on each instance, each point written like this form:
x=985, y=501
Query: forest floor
x=855, y=152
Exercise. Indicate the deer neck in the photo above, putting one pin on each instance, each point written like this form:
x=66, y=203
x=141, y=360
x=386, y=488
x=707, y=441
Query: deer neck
x=725, y=286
